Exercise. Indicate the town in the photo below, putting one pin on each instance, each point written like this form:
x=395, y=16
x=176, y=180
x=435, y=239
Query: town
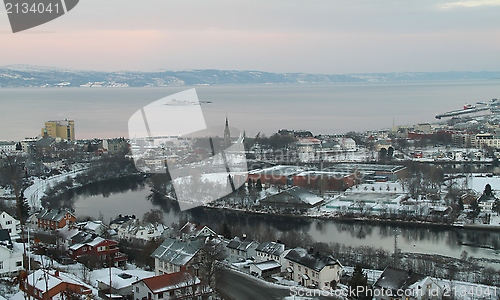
x=439, y=175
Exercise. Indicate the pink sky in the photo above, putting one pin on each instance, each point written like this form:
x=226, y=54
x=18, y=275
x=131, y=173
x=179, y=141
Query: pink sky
x=282, y=36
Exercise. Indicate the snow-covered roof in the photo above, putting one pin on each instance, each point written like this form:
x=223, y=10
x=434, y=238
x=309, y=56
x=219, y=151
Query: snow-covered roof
x=396, y=279
x=267, y=265
x=44, y=280
x=316, y=262
x=271, y=248
x=120, y=278
x=177, y=252
x=53, y=214
x=168, y=282
x=237, y=244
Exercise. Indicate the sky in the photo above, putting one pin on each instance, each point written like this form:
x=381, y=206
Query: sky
x=318, y=36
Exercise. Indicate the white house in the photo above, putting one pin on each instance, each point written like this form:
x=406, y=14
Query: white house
x=191, y=230
x=313, y=269
x=11, y=224
x=133, y=229
x=239, y=251
x=11, y=257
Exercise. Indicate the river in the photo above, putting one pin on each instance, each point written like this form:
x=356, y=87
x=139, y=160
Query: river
x=109, y=199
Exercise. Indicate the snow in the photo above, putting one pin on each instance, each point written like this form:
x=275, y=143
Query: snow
x=36, y=191
x=118, y=282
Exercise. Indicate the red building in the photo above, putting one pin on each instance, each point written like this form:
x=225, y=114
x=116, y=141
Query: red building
x=98, y=251
x=54, y=219
x=328, y=181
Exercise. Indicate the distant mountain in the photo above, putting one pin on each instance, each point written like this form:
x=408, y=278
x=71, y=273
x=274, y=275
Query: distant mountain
x=34, y=76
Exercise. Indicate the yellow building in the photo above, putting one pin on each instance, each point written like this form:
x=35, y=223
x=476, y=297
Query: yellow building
x=64, y=129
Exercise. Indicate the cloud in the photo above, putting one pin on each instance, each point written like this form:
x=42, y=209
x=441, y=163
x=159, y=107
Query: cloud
x=469, y=3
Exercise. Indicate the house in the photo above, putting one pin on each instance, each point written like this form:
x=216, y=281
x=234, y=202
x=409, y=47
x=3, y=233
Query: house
x=98, y=251
x=66, y=236
x=265, y=268
x=11, y=257
x=11, y=224
x=43, y=284
x=241, y=250
x=133, y=229
x=114, y=224
x=173, y=255
x=53, y=218
x=115, y=146
x=313, y=269
x=409, y=285
x=178, y=285
x=45, y=147
x=192, y=230
x=121, y=281
x=95, y=227
x=486, y=202
x=272, y=251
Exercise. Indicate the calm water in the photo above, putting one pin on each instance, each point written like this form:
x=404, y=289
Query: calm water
x=334, y=108
x=441, y=241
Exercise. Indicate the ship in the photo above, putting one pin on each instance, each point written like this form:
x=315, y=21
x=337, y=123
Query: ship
x=493, y=106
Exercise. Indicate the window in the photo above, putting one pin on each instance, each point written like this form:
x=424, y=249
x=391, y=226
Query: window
x=137, y=289
x=1, y=265
x=8, y=222
x=160, y=295
x=19, y=263
x=298, y=267
x=84, y=249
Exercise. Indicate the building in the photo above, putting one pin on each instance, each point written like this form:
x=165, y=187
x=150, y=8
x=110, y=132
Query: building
x=407, y=284
x=373, y=171
x=43, y=284
x=194, y=231
x=265, y=269
x=63, y=129
x=98, y=251
x=486, y=140
x=293, y=198
x=121, y=281
x=175, y=255
x=45, y=146
x=325, y=180
x=240, y=251
x=54, y=219
x=307, y=149
x=115, y=146
x=178, y=285
x=313, y=269
x=272, y=251
x=11, y=258
x=11, y=225
x=133, y=229
x=7, y=146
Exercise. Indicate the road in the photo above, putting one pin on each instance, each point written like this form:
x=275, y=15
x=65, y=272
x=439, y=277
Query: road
x=232, y=285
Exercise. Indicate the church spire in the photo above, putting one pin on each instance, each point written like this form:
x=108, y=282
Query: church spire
x=227, y=134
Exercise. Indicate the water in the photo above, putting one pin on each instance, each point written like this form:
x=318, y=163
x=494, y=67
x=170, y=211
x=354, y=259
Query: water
x=333, y=108
x=429, y=240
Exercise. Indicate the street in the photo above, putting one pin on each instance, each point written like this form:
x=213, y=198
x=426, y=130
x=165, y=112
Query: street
x=232, y=285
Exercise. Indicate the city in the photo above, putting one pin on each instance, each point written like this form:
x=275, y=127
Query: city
x=428, y=175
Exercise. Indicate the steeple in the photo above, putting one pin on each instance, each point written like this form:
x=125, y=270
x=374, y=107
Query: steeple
x=227, y=135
